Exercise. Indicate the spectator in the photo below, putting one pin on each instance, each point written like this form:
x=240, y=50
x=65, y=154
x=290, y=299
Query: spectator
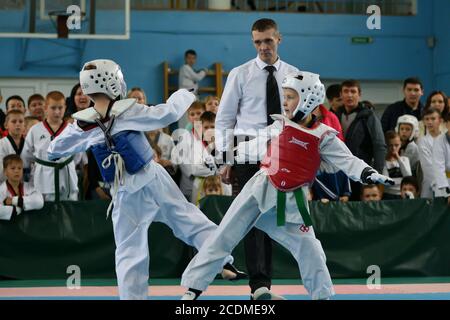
x=194, y=113
x=13, y=143
x=441, y=162
x=193, y=155
x=334, y=97
x=409, y=188
x=188, y=78
x=362, y=130
x=96, y=189
x=412, y=90
x=165, y=143
x=432, y=120
x=138, y=94
x=329, y=118
x=36, y=104
x=15, y=103
x=408, y=130
x=17, y=196
x=77, y=100
x=212, y=103
x=35, y=150
x=212, y=185
x=371, y=192
x=439, y=101
x=396, y=166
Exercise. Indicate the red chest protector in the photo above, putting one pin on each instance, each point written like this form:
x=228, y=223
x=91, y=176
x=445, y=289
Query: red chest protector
x=293, y=158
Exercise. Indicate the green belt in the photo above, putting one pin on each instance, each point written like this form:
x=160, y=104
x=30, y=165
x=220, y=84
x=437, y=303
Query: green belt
x=281, y=207
x=56, y=166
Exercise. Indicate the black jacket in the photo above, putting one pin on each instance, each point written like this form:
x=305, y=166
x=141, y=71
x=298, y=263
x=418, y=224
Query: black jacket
x=396, y=110
x=365, y=137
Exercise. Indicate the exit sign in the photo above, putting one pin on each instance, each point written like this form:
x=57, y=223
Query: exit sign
x=362, y=40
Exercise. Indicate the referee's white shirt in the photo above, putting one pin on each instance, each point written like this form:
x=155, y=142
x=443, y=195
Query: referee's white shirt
x=243, y=103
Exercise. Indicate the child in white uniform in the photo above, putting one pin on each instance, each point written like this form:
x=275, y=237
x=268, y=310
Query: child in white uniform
x=274, y=199
x=142, y=191
x=17, y=196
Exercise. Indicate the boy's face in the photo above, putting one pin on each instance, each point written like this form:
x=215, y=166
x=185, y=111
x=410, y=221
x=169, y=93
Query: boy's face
x=212, y=105
x=36, y=108
x=394, y=145
x=408, y=187
x=191, y=59
x=55, y=109
x=291, y=99
x=208, y=131
x=212, y=190
x=335, y=103
x=14, y=172
x=81, y=101
x=412, y=93
x=437, y=102
x=350, y=97
x=371, y=194
x=15, y=125
x=194, y=114
x=139, y=96
x=432, y=122
x=15, y=104
x=405, y=131
x=266, y=44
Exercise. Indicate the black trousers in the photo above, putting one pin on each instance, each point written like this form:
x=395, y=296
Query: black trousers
x=257, y=244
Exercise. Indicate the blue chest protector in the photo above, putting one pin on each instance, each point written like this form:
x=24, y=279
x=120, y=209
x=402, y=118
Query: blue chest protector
x=133, y=147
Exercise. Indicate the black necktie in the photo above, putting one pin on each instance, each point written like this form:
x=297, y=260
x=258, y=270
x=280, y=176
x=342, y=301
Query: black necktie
x=272, y=95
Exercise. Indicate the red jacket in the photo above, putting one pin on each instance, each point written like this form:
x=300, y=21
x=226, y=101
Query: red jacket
x=331, y=120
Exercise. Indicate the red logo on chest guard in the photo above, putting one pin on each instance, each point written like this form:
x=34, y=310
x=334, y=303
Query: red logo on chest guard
x=304, y=228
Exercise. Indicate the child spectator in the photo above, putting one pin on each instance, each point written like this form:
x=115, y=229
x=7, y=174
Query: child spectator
x=212, y=185
x=165, y=143
x=15, y=103
x=396, y=166
x=441, y=162
x=13, y=143
x=138, y=94
x=408, y=129
x=438, y=100
x=29, y=122
x=49, y=176
x=195, y=156
x=371, y=192
x=432, y=120
x=17, y=196
x=188, y=78
x=36, y=104
x=212, y=104
x=334, y=97
x=194, y=113
x=409, y=188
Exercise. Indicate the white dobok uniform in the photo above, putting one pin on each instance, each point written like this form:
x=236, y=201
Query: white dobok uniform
x=31, y=200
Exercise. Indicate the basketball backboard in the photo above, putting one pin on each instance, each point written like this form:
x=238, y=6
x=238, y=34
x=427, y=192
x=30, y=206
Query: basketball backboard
x=73, y=19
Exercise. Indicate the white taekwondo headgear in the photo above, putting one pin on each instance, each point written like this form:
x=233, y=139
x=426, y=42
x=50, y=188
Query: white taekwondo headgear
x=409, y=119
x=103, y=76
x=309, y=88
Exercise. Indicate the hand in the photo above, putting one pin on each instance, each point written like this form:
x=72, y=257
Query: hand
x=343, y=199
x=225, y=173
x=324, y=200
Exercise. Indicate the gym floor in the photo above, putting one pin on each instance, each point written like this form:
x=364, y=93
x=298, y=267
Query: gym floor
x=169, y=289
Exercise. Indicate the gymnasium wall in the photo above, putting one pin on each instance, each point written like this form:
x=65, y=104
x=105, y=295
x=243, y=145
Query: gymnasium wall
x=321, y=43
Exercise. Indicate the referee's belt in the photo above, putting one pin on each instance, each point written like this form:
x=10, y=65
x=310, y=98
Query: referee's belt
x=56, y=166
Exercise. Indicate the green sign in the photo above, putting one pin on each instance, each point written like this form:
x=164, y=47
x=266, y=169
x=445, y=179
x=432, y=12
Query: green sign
x=362, y=40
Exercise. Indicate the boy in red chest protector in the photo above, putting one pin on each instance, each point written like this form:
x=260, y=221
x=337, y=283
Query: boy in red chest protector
x=274, y=199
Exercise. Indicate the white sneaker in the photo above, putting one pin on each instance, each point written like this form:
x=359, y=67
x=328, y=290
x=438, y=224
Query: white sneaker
x=264, y=293
x=189, y=295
